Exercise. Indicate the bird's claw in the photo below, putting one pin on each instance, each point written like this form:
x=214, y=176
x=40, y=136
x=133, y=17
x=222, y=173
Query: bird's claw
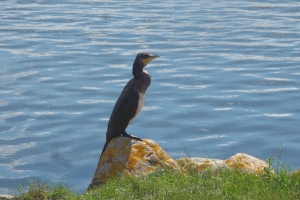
x=131, y=136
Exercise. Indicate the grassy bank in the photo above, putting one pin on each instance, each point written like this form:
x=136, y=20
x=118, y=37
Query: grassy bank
x=222, y=184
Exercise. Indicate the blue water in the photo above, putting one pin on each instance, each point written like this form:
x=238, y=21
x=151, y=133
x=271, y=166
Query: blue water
x=227, y=81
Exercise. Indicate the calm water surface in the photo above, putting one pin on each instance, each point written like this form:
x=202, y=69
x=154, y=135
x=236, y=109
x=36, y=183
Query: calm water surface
x=227, y=81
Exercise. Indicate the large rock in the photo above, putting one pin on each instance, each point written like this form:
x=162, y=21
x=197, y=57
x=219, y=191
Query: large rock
x=126, y=156
x=237, y=161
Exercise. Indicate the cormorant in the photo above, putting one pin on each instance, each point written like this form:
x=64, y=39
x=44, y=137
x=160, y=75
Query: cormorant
x=131, y=99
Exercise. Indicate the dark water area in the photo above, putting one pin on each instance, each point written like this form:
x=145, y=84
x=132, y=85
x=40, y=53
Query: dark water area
x=227, y=81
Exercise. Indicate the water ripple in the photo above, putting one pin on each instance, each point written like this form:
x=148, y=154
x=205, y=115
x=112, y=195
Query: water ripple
x=263, y=90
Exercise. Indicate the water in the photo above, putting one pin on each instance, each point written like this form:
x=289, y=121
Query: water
x=227, y=81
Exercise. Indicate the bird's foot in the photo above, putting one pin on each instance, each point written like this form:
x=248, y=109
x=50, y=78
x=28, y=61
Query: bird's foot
x=131, y=136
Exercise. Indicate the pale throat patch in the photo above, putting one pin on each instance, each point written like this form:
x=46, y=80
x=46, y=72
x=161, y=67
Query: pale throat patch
x=147, y=60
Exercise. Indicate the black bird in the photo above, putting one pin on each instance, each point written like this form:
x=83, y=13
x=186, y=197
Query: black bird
x=131, y=99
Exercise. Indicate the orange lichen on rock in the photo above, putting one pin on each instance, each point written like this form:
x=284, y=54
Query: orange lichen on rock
x=296, y=173
x=202, y=167
x=160, y=155
x=238, y=164
x=137, y=154
x=127, y=156
x=246, y=162
x=199, y=164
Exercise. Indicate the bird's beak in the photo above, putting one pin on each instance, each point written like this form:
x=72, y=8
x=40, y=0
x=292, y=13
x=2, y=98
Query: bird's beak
x=153, y=57
x=147, y=60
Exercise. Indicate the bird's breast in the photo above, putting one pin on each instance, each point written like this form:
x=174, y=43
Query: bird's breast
x=141, y=101
x=140, y=105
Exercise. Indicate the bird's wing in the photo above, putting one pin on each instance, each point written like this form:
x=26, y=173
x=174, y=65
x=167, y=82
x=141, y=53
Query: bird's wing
x=125, y=108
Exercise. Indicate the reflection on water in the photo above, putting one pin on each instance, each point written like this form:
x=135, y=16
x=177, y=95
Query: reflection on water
x=262, y=90
x=227, y=81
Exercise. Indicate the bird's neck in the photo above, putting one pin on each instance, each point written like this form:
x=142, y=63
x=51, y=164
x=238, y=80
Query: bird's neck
x=143, y=77
x=140, y=74
x=137, y=70
x=137, y=73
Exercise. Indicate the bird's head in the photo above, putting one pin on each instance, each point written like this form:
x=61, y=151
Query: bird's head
x=142, y=59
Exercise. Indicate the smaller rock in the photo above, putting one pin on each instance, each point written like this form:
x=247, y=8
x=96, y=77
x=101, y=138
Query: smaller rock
x=6, y=197
x=247, y=162
x=200, y=164
x=238, y=161
x=296, y=173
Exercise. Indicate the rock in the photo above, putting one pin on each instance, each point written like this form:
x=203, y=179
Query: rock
x=238, y=161
x=247, y=162
x=200, y=164
x=6, y=197
x=130, y=157
x=296, y=173
x=126, y=156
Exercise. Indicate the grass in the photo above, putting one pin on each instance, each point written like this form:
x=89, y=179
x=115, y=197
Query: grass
x=39, y=190
x=166, y=184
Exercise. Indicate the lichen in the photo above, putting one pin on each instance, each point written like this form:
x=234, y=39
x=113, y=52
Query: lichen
x=206, y=162
x=238, y=163
x=296, y=173
x=163, y=157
